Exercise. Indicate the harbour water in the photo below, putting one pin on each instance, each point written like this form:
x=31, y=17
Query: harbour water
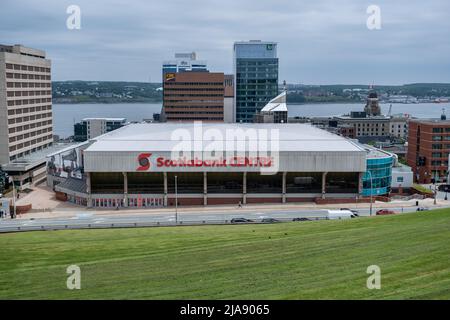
x=65, y=115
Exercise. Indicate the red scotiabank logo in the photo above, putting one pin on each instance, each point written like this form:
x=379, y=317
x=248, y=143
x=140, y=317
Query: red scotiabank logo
x=144, y=161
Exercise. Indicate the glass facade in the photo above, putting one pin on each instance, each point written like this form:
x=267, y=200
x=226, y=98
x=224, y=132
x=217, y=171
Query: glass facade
x=106, y=182
x=256, y=70
x=304, y=182
x=225, y=182
x=187, y=182
x=150, y=183
x=259, y=183
x=381, y=170
x=342, y=182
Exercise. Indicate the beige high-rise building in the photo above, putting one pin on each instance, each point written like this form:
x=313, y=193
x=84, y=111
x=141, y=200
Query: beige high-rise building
x=25, y=107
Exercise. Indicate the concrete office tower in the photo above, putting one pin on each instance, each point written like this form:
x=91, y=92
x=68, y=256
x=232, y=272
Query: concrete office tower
x=193, y=96
x=256, y=77
x=90, y=128
x=25, y=102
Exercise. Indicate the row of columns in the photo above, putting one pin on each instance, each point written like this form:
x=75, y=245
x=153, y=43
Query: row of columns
x=205, y=187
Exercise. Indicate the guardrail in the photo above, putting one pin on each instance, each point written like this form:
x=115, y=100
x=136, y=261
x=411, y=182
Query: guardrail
x=109, y=225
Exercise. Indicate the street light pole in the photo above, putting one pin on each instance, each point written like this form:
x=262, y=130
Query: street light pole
x=176, y=201
x=370, y=174
x=435, y=194
x=14, y=200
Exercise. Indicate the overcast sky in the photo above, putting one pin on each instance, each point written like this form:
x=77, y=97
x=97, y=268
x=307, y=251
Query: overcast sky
x=319, y=42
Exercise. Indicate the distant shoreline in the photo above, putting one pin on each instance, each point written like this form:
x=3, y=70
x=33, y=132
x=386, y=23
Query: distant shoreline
x=55, y=101
x=160, y=102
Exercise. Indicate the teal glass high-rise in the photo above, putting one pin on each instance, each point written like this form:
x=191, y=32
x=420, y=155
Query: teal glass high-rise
x=256, y=75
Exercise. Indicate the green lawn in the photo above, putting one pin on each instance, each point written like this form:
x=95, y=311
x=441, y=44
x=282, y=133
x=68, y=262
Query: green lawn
x=302, y=260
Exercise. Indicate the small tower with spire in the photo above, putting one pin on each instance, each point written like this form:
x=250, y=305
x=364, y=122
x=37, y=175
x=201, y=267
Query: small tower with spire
x=372, y=107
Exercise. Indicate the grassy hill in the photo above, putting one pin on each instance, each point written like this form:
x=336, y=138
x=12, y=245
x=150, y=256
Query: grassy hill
x=302, y=260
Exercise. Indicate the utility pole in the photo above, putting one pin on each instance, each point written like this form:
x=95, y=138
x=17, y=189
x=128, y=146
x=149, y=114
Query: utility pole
x=435, y=194
x=370, y=174
x=14, y=199
x=176, y=201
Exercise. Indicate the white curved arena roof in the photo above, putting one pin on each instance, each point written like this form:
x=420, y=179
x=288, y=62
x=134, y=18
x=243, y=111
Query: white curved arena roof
x=163, y=136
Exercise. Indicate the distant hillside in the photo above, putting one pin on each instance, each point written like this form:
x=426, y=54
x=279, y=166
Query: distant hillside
x=105, y=92
x=129, y=92
x=355, y=93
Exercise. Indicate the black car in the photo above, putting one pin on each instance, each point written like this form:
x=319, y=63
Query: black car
x=422, y=209
x=240, y=220
x=300, y=219
x=444, y=188
x=269, y=220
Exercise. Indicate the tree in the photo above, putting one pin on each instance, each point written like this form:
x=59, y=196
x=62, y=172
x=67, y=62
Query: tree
x=4, y=181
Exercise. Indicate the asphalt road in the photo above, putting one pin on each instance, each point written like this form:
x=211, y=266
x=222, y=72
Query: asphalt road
x=85, y=219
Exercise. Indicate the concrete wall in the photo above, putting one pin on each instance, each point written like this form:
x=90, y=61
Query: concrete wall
x=228, y=110
x=96, y=127
x=407, y=177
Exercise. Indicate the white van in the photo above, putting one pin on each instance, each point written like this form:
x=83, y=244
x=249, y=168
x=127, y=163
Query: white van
x=340, y=214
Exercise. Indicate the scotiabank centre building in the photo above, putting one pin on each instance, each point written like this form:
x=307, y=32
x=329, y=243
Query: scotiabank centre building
x=148, y=165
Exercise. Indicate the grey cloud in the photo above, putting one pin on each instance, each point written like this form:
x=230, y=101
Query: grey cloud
x=321, y=41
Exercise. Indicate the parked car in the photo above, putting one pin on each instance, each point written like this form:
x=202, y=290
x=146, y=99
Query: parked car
x=444, y=188
x=240, y=220
x=422, y=209
x=300, y=219
x=383, y=212
x=355, y=212
x=269, y=220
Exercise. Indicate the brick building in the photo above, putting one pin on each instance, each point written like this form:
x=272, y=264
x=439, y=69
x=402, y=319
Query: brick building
x=428, y=149
x=191, y=95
